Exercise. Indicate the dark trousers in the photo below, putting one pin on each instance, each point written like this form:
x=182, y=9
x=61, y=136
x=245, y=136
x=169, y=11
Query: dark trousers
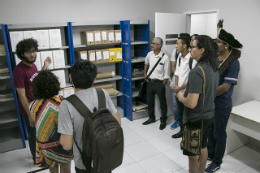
x=180, y=111
x=156, y=87
x=31, y=131
x=218, y=137
x=82, y=171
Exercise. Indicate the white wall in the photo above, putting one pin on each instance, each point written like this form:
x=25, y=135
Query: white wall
x=198, y=24
x=211, y=25
x=204, y=24
x=57, y=11
x=241, y=19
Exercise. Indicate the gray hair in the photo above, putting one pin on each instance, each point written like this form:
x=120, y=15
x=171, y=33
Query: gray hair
x=159, y=40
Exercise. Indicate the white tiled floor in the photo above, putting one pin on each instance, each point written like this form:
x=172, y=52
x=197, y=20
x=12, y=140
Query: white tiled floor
x=147, y=150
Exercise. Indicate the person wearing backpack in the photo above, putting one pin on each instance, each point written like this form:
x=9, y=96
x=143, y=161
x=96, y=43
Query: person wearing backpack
x=77, y=120
x=184, y=65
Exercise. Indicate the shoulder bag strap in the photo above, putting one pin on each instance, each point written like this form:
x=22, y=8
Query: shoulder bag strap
x=154, y=66
x=204, y=91
x=101, y=98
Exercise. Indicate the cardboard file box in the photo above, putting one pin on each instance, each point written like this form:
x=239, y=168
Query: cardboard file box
x=111, y=36
x=92, y=56
x=90, y=37
x=58, y=59
x=55, y=38
x=30, y=34
x=105, y=53
x=118, y=37
x=61, y=76
x=44, y=55
x=104, y=37
x=81, y=55
x=68, y=92
x=43, y=39
x=38, y=62
x=112, y=55
x=16, y=37
x=98, y=39
x=119, y=55
x=99, y=57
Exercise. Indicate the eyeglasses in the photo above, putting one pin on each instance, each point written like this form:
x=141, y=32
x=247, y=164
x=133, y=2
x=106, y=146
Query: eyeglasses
x=192, y=47
x=153, y=43
x=218, y=41
x=31, y=52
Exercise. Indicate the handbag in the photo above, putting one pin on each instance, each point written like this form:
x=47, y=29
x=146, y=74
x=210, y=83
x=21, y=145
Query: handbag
x=142, y=90
x=192, y=136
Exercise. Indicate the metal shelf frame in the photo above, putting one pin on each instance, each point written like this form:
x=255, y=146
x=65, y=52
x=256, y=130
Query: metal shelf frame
x=141, y=48
x=9, y=62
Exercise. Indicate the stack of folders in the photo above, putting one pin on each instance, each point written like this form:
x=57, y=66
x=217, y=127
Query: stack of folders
x=6, y=94
x=4, y=71
x=139, y=106
x=2, y=49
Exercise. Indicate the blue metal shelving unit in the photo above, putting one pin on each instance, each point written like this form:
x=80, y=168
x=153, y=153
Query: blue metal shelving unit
x=11, y=133
x=118, y=65
x=140, y=42
x=11, y=59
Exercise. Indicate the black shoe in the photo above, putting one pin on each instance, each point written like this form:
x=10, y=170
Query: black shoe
x=177, y=135
x=162, y=125
x=149, y=121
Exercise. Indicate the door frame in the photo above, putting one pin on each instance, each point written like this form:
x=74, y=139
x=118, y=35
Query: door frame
x=189, y=13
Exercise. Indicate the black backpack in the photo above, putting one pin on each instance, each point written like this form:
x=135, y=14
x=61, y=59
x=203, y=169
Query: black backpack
x=102, y=136
x=190, y=60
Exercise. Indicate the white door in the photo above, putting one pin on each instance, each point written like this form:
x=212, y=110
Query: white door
x=168, y=26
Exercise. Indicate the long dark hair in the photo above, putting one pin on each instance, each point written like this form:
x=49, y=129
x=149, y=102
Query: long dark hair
x=211, y=50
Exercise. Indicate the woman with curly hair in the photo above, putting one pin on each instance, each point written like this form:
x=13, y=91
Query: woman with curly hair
x=45, y=111
x=199, y=99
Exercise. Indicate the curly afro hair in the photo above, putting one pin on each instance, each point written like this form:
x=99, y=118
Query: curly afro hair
x=25, y=45
x=45, y=85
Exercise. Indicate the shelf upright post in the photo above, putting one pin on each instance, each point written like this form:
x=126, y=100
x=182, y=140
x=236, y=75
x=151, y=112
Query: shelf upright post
x=127, y=70
x=10, y=46
x=6, y=43
x=71, y=45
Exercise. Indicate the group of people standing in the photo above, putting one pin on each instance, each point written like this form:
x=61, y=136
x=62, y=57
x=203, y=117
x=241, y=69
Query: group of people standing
x=53, y=124
x=197, y=60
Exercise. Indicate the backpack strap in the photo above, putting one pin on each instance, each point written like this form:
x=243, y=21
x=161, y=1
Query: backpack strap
x=82, y=109
x=101, y=98
x=79, y=105
x=190, y=63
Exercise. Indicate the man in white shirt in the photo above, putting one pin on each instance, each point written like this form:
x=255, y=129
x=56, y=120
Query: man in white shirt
x=182, y=74
x=157, y=80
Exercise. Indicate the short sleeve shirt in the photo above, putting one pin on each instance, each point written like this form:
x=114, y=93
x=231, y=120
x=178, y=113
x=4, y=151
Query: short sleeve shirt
x=183, y=69
x=162, y=70
x=23, y=76
x=195, y=85
x=70, y=121
x=230, y=75
x=175, y=55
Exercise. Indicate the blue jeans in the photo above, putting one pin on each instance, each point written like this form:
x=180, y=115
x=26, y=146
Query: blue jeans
x=175, y=107
x=218, y=137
